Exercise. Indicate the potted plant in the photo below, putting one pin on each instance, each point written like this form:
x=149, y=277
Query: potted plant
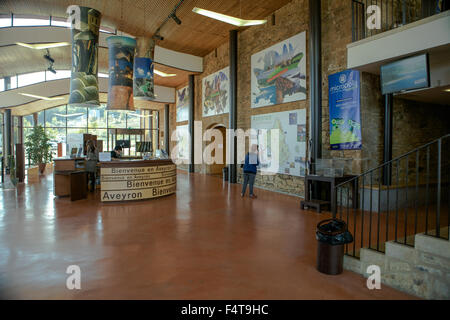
x=38, y=148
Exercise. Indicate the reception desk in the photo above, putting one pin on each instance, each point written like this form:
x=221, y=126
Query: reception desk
x=129, y=180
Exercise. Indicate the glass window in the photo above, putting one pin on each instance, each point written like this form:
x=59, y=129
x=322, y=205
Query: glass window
x=13, y=82
x=2, y=84
x=101, y=135
x=30, y=20
x=116, y=119
x=60, y=74
x=134, y=120
x=76, y=130
x=28, y=121
x=30, y=78
x=5, y=20
x=41, y=118
x=56, y=117
x=59, y=22
x=97, y=117
x=76, y=116
x=56, y=135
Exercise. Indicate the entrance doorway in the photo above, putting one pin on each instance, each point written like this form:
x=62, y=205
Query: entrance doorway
x=216, y=168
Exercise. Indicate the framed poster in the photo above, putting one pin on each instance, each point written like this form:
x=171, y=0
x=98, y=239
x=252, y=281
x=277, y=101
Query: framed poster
x=345, y=115
x=292, y=141
x=182, y=104
x=182, y=138
x=278, y=73
x=216, y=93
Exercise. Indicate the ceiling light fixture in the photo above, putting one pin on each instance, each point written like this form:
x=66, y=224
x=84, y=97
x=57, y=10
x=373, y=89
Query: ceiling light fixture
x=40, y=97
x=139, y=115
x=228, y=19
x=51, y=69
x=158, y=37
x=447, y=90
x=69, y=115
x=163, y=74
x=40, y=46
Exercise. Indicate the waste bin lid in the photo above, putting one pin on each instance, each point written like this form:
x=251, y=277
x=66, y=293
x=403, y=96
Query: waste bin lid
x=331, y=227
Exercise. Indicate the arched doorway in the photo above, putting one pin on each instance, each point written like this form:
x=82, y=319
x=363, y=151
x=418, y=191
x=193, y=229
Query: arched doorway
x=216, y=168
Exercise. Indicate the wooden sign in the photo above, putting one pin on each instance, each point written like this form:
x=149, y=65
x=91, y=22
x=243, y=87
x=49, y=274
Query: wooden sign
x=137, y=183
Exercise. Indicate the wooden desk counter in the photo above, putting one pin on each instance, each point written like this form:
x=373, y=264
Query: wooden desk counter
x=129, y=180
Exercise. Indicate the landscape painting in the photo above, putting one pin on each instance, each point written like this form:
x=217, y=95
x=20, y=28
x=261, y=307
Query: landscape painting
x=121, y=60
x=216, y=93
x=278, y=73
x=83, y=80
x=183, y=104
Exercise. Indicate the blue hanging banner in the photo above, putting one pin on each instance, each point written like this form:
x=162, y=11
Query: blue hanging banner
x=345, y=114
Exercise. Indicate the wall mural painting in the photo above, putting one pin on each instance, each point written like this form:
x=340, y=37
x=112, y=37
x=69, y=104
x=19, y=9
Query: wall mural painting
x=121, y=59
x=183, y=104
x=83, y=81
x=279, y=73
x=216, y=93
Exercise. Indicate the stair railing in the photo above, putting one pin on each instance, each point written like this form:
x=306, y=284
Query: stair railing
x=414, y=198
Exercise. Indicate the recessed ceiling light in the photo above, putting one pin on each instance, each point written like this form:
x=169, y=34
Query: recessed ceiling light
x=40, y=46
x=228, y=19
x=163, y=74
x=447, y=90
x=40, y=97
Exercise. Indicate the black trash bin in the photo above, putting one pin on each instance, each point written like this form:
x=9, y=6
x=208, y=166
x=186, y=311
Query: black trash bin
x=225, y=173
x=331, y=235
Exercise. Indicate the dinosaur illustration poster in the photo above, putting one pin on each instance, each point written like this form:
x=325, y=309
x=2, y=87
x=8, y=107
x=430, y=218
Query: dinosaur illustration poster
x=345, y=114
x=278, y=73
x=216, y=93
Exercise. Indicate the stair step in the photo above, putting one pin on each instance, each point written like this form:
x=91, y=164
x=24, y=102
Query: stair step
x=400, y=251
x=432, y=245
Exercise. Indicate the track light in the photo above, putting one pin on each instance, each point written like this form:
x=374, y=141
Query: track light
x=51, y=69
x=158, y=37
x=47, y=57
x=175, y=18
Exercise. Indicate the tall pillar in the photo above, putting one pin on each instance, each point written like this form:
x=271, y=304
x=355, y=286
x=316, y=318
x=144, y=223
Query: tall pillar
x=166, y=129
x=191, y=122
x=387, y=149
x=232, y=147
x=7, y=83
x=8, y=134
x=315, y=81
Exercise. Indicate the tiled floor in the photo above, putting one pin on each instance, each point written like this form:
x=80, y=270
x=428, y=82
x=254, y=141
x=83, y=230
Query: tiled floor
x=205, y=242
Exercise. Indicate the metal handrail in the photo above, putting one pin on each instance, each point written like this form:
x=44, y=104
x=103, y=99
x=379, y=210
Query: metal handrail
x=400, y=205
x=393, y=160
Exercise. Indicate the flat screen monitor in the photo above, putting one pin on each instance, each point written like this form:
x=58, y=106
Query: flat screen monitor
x=406, y=74
x=123, y=143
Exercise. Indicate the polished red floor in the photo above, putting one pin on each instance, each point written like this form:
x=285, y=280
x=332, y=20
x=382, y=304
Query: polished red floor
x=205, y=242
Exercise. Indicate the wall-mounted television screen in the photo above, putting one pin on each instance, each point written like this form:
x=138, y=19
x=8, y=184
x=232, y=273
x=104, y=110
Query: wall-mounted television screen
x=123, y=143
x=406, y=74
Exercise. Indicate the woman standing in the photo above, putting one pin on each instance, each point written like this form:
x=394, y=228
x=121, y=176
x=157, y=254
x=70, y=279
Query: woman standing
x=250, y=164
x=91, y=162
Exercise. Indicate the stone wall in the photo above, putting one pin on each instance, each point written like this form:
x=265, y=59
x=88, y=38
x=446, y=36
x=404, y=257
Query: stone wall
x=428, y=121
x=422, y=270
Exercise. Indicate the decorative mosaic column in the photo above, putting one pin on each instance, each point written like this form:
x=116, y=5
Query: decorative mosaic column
x=143, y=69
x=121, y=59
x=84, y=81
